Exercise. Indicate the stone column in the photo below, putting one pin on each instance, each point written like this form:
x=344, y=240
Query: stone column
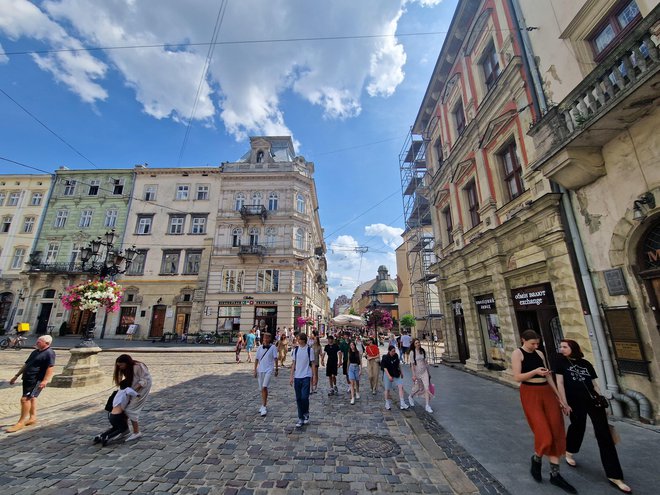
x=81, y=370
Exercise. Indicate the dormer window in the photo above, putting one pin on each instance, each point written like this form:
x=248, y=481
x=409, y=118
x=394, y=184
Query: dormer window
x=260, y=156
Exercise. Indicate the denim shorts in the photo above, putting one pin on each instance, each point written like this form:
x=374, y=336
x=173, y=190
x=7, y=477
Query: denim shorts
x=391, y=384
x=354, y=372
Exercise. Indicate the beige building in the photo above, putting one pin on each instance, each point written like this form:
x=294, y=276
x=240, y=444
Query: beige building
x=23, y=199
x=268, y=263
x=171, y=223
x=599, y=65
x=503, y=264
x=403, y=275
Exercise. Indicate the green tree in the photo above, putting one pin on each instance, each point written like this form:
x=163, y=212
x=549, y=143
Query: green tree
x=407, y=321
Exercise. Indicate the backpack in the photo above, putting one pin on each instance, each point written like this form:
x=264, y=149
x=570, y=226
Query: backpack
x=108, y=404
x=309, y=355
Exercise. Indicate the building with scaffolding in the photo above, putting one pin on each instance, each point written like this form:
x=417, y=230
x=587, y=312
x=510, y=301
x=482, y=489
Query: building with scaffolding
x=418, y=248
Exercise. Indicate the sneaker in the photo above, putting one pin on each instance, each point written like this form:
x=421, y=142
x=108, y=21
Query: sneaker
x=352, y=401
x=388, y=405
x=348, y=389
x=332, y=391
x=98, y=439
x=336, y=390
x=428, y=409
x=403, y=406
x=306, y=420
x=558, y=481
x=357, y=395
x=299, y=423
x=411, y=401
x=373, y=391
x=263, y=411
x=134, y=436
x=536, y=470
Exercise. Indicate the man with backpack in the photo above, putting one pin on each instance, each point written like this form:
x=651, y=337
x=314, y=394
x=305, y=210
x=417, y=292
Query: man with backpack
x=264, y=364
x=301, y=377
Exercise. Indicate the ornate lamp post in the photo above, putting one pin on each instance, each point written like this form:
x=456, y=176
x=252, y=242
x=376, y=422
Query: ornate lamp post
x=374, y=305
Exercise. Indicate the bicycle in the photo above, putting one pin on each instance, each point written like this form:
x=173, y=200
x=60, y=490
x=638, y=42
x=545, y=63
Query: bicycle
x=13, y=342
x=206, y=338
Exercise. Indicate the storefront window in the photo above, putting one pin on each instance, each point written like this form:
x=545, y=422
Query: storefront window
x=490, y=329
x=229, y=319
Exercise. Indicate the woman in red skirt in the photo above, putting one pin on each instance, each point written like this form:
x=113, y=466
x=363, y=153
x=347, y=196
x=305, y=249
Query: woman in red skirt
x=542, y=406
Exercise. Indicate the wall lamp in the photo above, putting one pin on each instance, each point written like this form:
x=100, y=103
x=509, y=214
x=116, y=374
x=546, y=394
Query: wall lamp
x=646, y=200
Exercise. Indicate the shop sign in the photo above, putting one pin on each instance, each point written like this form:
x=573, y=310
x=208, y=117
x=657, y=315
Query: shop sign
x=230, y=303
x=265, y=303
x=615, y=281
x=625, y=340
x=532, y=298
x=297, y=301
x=485, y=304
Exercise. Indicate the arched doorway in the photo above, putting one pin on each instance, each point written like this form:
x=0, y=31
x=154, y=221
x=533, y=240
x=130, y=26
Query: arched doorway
x=648, y=259
x=6, y=300
x=45, y=309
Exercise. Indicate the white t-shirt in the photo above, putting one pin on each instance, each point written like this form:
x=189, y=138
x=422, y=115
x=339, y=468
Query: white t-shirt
x=406, y=340
x=123, y=397
x=303, y=358
x=266, y=358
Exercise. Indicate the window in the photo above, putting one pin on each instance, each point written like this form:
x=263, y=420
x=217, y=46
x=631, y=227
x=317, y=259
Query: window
x=94, y=187
x=257, y=198
x=299, y=241
x=69, y=188
x=182, y=191
x=437, y=148
x=297, y=282
x=490, y=65
x=176, y=224
x=6, y=224
x=52, y=252
x=117, y=186
x=254, y=236
x=60, y=219
x=272, y=201
x=232, y=280
x=240, y=201
x=268, y=280
x=512, y=171
x=260, y=156
x=137, y=267
x=618, y=21
x=449, y=226
x=144, y=224
x=300, y=203
x=473, y=203
x=2, y=198
x=110, y=218
x=202, y=192
x=236, y=235
x=170, y=263
x=28, y=225
x=150, y=192
x=459, y=118
x=198, y=224
x=85, y=219
x=193, y=259
x=13, y=198
x=36, y=198
x=75, y=253
x=17, y=260
x=271, y=234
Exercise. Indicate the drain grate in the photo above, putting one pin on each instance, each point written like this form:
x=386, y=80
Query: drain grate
x=373, y=446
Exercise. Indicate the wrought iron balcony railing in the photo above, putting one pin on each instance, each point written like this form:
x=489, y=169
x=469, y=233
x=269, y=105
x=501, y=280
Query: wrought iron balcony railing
x=248, y=211
x=254, y=250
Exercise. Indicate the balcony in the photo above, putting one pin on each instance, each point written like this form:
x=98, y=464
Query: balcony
x=59, y=267
x=618, y=93
x=244, y=252
x=251, y=211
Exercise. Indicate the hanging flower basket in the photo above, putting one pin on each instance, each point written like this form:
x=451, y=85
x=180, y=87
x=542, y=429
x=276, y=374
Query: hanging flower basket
x=302, y=321
x=93, y=295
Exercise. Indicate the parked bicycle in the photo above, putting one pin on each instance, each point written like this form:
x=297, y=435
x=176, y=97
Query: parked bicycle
x=13, y=342
x=205, y=338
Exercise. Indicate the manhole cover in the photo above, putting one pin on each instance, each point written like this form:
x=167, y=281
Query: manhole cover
x=373, y=446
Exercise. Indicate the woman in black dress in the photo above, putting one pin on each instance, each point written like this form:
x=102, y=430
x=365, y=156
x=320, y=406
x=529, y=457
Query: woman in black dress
x=576, y=383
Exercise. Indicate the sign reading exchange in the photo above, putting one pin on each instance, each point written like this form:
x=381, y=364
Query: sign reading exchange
x=532, y=298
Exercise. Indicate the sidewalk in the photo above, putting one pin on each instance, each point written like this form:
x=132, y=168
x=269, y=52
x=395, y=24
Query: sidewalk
x=204, y=435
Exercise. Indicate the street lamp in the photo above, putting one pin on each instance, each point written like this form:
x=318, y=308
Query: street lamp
x=106, y=265
x=374, y=305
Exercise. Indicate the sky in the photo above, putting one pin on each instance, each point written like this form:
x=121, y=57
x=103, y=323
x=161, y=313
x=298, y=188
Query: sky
x=113, y=83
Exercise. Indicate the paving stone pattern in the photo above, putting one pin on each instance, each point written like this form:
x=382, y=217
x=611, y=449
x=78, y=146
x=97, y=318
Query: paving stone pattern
x=205, y=436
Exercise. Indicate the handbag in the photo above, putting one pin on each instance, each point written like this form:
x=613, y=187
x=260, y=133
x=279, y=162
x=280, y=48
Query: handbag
x=432, y=389
x=596, y=400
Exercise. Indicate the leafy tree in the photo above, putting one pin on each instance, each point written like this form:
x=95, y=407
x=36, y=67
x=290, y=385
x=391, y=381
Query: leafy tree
x=407, y=321
x=351, y=311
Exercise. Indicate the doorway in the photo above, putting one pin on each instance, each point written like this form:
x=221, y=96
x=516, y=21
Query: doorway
x=44, y=316
x=182, y=319
x=459, y=328
x=157, y=320
x=265, y=317
x=6, y=300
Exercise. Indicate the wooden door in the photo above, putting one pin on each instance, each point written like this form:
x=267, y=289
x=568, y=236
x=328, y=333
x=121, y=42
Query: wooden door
x=157, y=321
x=44, y=316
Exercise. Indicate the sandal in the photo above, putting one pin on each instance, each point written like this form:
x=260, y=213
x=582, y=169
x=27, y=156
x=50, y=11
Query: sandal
x=620, y=485
x=569, y=459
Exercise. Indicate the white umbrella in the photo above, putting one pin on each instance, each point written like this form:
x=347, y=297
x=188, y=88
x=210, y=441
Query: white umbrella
x=348, y=320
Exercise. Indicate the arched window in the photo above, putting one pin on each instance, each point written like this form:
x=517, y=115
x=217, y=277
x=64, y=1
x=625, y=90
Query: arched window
x=256, y=198
x=299, y=242
x=254, y=236
x=271, y=234
x=260, y=156
x=300, y=203
x=272, y=201
x=240, y=201
x=236, y=235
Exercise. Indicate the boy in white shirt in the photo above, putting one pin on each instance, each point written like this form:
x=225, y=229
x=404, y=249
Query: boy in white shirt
x=301, y=377
x=264, y=364
x=117, y=416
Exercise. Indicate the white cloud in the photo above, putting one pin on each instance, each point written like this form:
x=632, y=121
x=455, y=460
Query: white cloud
x=246, y=82
x=391, y=236
x=3, y=57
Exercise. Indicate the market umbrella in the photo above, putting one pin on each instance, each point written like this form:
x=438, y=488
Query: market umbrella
x=348, y=320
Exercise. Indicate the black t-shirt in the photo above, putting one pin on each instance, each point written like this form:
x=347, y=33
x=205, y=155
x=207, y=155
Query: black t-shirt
x=37, y=364
x=578, y=375
x=332, y=352
x=392, y=364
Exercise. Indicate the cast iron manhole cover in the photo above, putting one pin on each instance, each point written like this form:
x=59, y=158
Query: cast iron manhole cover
x=373, y=446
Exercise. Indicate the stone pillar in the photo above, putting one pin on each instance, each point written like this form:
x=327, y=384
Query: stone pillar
x=81, y=370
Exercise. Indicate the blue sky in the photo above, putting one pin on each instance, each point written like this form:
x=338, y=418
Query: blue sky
x=348, y=103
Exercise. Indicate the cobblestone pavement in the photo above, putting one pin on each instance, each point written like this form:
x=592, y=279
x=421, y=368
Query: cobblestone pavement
x=202, y=434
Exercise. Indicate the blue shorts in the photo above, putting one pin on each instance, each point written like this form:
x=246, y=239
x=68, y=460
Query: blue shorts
x=390, y=384
x=354, y=372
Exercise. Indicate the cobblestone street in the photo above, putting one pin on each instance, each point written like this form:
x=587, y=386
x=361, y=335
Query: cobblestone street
x=202, y=434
